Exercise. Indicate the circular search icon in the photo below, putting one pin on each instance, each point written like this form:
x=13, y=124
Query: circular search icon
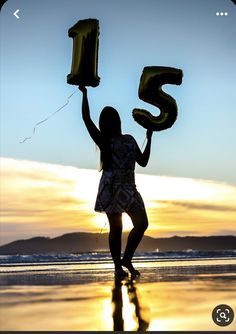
x=223, y=315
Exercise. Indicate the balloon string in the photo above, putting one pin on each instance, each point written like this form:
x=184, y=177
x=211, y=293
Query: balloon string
x=144, y=142
x=101, y=231
x=47, y=118
x=103, y=227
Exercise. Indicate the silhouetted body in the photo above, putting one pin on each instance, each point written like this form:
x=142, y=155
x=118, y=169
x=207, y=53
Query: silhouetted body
x=117, y=191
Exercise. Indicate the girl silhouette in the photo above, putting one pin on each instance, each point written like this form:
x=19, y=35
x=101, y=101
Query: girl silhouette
x=117, y=191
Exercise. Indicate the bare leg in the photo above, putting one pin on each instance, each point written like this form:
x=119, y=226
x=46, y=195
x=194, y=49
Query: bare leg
x=115, y=221
x=140, y=223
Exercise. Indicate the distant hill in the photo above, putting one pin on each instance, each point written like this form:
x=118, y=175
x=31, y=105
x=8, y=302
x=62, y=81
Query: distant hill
x=88, y=242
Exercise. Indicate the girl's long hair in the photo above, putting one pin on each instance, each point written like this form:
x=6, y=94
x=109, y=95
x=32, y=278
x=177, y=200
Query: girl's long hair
x=110, y=125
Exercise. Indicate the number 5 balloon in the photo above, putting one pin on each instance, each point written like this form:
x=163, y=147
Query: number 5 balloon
x=151, y=81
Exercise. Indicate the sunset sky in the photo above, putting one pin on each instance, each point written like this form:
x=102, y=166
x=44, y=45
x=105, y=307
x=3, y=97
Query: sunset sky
x=40, y=199
x=49, y=183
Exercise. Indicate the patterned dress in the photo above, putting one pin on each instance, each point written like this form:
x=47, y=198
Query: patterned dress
x=117, y=191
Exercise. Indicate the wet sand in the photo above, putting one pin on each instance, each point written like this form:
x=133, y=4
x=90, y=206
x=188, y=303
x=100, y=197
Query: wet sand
x=176, y=295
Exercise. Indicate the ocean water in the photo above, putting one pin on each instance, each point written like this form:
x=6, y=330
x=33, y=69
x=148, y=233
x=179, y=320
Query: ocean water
x=88, y=267
x=105, y=257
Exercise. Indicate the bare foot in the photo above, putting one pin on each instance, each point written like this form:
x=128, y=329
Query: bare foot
x=129, y=266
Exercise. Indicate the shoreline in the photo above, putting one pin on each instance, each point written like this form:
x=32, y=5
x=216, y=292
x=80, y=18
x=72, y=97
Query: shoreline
x=84, y=273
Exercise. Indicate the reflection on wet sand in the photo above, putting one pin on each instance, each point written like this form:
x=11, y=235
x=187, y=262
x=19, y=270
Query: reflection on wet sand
x=128, y=308
x=163, y=299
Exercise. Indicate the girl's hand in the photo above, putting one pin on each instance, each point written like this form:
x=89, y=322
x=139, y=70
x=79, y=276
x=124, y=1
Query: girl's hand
x=83, y=89
x=149, y=134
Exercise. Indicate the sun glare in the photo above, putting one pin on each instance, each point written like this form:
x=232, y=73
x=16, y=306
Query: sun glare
x=127, y=223
x=128, y=310
x=101, y=220
x=174, y=205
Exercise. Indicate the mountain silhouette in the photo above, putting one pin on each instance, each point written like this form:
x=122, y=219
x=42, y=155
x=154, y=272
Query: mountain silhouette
x=88, y=242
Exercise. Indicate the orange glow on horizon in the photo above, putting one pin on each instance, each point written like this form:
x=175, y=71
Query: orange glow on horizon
x=50, y=200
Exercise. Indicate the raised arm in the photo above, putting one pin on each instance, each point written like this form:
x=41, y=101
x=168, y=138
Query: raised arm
x=143, y=158
x=91, y=127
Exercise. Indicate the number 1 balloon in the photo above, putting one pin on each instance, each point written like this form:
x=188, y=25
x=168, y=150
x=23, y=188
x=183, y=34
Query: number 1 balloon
x=151, y=81
x=85, y=53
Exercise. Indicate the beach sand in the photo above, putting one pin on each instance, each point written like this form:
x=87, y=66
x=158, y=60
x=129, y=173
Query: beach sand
x=176, y=295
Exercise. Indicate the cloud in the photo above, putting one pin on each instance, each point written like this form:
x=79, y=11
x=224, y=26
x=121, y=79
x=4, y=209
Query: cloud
x=43, y=197
x=46, y=199
x=200, y=206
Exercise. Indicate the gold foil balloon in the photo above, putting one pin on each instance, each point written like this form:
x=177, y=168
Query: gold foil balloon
x=85, y=53
x=150, y=91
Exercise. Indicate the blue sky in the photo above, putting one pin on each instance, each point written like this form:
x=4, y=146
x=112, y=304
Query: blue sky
x=36, y=55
